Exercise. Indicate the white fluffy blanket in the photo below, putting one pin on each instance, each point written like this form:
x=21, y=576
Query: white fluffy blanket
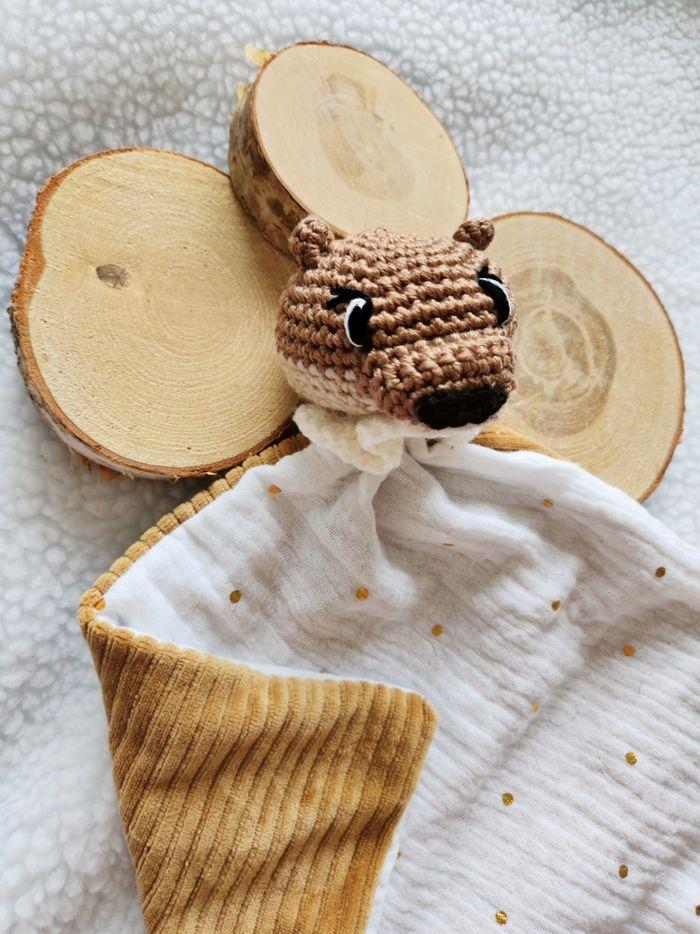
x=587, y=109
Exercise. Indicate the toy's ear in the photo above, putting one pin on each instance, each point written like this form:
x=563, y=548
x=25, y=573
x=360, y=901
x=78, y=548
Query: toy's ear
x=310, y=238
x=477, y=231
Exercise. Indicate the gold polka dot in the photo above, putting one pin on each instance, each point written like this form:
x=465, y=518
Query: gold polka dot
x=437, y=630
x=624, y=871
x=547, y=503
x=361, y=593
x=234, y=596
x=535, y=706
x=273, y=489
x=100, y=605
x=447, y=545
x=660, y=572
x=501, y=917
x=631, y=758
x=556, y=604
x=628, y=650
x=507, y=798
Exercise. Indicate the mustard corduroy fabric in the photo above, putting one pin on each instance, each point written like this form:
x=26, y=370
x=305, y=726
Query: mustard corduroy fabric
x=253, y=802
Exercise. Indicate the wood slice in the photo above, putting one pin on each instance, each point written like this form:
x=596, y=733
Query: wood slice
x=599, y=369
x=329, y=130
x=144, y=316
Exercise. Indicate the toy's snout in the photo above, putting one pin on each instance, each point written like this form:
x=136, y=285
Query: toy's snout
x=443, y=381
x=454, y=408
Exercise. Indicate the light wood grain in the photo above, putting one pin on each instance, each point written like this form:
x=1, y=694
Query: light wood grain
x=599, y=369
x=144, y=316
x=329, y=130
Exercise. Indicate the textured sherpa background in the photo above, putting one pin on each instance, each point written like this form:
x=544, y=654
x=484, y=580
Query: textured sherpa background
x=590, y=109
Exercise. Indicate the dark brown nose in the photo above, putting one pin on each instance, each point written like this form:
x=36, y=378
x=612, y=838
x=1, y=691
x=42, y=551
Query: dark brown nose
x=452, y=408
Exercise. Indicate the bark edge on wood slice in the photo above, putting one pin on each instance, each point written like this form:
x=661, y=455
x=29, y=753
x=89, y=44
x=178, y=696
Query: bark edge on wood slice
x=143, y=316
x=599, y=367
x=329, y=130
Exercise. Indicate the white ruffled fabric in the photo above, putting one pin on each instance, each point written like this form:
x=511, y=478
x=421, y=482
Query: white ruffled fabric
x=549, y=619
x=373, y=443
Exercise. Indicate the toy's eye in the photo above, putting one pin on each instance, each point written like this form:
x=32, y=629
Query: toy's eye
x=357, y=314
x=496, y=291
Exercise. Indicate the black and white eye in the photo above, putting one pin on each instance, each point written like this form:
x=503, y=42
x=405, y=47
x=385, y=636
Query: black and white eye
x=357, y=313
x=497, y=292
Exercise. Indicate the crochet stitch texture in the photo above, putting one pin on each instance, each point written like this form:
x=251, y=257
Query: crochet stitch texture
x=433, y=331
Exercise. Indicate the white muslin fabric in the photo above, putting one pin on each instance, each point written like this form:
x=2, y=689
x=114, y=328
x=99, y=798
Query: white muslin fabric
x=374, y=443
x=549, y=619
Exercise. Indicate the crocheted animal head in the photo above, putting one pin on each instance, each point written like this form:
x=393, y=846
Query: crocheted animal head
x=416, y=328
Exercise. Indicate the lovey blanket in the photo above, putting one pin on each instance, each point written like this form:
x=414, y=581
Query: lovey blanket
x=588, y=109
x=276, y=656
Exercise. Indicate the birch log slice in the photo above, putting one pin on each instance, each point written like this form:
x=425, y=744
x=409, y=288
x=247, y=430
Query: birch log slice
x=144, y=316
x=599, y=369
x=328, y=130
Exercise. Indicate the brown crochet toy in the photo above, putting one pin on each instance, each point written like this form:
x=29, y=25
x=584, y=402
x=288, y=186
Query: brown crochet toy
x=416, y=328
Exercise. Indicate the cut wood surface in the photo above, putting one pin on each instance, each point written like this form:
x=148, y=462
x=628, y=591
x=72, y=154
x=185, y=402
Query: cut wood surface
x=329, y=130
x=144, y=324
x=599, y=369
x=144, y=316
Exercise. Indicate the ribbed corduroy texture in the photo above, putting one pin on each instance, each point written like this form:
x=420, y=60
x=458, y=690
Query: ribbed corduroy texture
x=254, y=802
